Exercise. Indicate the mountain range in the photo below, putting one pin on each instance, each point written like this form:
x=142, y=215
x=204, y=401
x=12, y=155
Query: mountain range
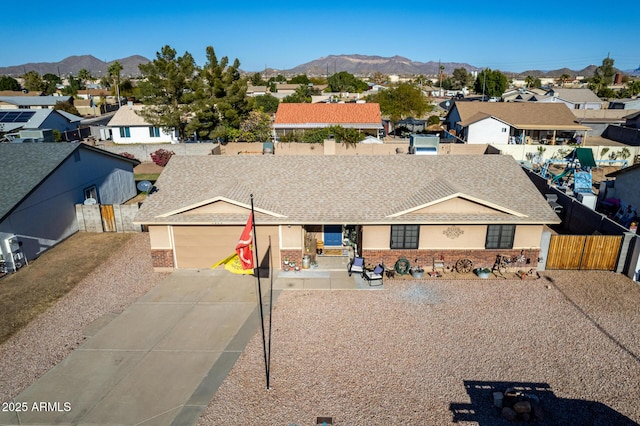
x=73, y=64
x=359, y=65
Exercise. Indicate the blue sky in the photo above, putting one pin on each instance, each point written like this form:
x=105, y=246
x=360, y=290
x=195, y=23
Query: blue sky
x=283, y=34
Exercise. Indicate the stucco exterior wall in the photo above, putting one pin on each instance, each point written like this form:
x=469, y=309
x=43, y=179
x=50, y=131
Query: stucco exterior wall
x=527, y=236
x=160, y=237
x=140, y=134
x=488, y=131
x=291, y=237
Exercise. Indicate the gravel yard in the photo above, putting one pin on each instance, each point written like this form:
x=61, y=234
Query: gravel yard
x=119, y=281
x=433, y=352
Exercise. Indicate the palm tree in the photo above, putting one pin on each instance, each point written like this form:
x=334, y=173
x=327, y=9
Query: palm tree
x=530, y=80
x=563, y=79
x=114, y=71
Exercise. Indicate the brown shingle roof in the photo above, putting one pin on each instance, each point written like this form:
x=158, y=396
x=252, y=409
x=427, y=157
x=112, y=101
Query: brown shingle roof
x=127, y=115
x=345, y=189
x=328, y=114
x=546, y=116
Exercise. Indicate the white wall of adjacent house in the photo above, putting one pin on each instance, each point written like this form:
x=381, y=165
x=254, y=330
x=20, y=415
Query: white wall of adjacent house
x=488, y=131
x=142, y=134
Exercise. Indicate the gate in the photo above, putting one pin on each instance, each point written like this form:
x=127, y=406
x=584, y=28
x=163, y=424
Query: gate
x=108, y=218
x=584, y=252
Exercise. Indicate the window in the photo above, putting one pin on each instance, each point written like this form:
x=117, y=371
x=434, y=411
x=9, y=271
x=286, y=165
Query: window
x=405, y=236
x=154, y=132
x=500, y=236
x=91, y=192
x=125, y=132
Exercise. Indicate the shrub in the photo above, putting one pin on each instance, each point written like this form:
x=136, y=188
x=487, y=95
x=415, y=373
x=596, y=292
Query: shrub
x=161, y=157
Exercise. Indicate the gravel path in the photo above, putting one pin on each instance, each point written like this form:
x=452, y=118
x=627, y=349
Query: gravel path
x=432, y=352
x=113, y=286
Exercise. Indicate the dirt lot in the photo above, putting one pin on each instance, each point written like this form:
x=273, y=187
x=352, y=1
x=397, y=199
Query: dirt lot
x=34, y=288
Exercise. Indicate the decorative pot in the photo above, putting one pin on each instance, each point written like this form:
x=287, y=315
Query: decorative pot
x=417, y=274
x=483, y=274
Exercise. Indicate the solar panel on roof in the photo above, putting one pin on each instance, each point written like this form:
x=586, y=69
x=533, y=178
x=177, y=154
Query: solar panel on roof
x=24, y=116
x=12, y=115
x=16, y=116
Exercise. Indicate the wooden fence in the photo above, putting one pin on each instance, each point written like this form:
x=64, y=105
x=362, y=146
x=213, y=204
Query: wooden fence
x=584, y=252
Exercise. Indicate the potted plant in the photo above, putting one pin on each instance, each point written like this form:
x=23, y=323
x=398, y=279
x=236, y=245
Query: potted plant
x=483, y=272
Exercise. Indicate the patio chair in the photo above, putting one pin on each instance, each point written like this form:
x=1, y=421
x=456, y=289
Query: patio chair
x=356, y=265
x=374, y=276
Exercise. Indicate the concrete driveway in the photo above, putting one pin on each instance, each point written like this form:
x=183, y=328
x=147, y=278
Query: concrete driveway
x=161, y=360
x=158, y=362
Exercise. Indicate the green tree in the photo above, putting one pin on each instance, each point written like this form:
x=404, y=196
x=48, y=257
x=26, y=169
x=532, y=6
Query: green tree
x=563, y=79
x=221, y=100
x=461, y=78
x=345, y=82
x=266, y=103
x=9, y=83
x=490, y=83
x=302, y=94
x=84, y=75
x=256, y=80
x=634, y=87
x=401, y=101
x=300, y=79
x=51, y=82
x=114, y=73
x=71, y=89
x=168, y=90
x=66, y=107
x=529, y=80
x=606, y=71
x=32, y=81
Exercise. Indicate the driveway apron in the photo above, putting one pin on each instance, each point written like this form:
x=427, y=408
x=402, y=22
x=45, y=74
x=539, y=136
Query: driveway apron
x=158, y=362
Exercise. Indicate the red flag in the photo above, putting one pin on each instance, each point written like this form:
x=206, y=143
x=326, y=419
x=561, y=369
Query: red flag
x=244, y=245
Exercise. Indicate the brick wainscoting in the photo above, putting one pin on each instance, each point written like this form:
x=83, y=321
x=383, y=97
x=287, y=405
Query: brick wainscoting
x=480, y=258
x=162, y=258
x=292, y=255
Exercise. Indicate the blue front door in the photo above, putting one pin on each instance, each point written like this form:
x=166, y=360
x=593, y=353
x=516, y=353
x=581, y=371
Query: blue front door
x=333, y=235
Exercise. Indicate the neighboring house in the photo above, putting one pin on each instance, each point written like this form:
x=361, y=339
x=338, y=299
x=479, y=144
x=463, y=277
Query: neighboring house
x=257, y=90
x=128, y=126
x=501, y=123
x=599, y=119
x=626, y=104
x=633, y=120
x=364, y=117
x=44, y=181
x=32, y=102
x=574, y=98
x=523, y=95
x=381, y=207
x=625, y=189
x=12, y=121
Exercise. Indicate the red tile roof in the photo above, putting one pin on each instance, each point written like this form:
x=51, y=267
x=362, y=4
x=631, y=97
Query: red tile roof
x=351, y=113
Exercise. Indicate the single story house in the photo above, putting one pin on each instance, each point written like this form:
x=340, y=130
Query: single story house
x=380, y=207
x=44, y=181
x=574, y=98
x=32, y=102
x=500, y=123
x=292, y=117
x=12, y=121
x=128, y=126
